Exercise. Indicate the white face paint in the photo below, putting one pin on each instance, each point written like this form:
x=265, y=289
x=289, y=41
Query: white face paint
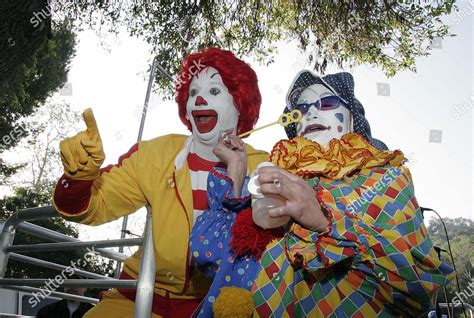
x=322, y=125
x=210, y=107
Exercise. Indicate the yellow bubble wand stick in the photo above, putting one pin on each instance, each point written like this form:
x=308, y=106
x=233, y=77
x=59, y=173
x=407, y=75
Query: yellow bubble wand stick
x=284, y=120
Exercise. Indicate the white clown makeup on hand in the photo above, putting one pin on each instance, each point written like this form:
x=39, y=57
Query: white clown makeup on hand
x=210, y=107
x=321, y=124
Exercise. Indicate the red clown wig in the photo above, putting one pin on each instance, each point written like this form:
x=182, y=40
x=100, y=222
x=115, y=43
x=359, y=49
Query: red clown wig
x=239, y=78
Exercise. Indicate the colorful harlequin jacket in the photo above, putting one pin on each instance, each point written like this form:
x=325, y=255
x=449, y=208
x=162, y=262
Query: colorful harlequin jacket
x=374, y=258
x=153, y=172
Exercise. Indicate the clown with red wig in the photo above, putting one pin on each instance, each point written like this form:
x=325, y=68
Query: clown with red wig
x=216, y=93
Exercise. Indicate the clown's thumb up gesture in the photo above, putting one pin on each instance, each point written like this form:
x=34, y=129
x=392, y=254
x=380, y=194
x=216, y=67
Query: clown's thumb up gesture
x=83, y=154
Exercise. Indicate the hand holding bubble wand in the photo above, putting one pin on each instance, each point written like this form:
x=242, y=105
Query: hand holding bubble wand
x=261, y=204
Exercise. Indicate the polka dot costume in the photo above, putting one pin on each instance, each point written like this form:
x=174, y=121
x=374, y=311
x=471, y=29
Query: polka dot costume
x=211, y=235
x=342, y=85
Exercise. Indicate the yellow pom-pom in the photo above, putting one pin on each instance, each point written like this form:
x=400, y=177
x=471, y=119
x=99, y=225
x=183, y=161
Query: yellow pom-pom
x=233, y=302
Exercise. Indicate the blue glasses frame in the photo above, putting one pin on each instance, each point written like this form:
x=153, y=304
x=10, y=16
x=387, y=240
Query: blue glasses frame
x=325, y=103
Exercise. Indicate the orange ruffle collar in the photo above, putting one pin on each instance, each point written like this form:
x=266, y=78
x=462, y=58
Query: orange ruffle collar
x=306, y=158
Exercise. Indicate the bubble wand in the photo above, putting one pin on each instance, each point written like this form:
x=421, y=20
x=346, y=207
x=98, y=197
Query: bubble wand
x=284, y=120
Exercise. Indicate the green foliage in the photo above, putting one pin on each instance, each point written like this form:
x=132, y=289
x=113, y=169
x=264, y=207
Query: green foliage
x=26, y=198
x=6, y=171
x=389, y=34
x=19, y=38
x=461, y=236
x=33, y=81
x=29, y=76
x=456, y=228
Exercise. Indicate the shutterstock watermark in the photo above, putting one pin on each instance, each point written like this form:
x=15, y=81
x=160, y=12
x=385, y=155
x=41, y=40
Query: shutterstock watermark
x=463, y=297
x=459, y=110
x=7, y=140
x=178, y=80
x=53, y=284
x=192, y=71
x=371, y=192
x=463, y=13
x=43, y=14
x=140, y=110
x=389, y=176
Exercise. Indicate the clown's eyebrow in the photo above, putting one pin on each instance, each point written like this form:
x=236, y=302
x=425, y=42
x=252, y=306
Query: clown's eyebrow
x=216, y=73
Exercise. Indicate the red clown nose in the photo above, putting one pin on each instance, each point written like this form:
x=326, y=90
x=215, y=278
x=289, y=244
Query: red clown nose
x=200, y=101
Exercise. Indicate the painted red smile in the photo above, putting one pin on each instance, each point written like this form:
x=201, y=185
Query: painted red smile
x=314, y=128
x=205, y=120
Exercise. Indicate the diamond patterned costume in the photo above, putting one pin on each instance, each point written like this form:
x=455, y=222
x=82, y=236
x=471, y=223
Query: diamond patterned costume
x=374, y=259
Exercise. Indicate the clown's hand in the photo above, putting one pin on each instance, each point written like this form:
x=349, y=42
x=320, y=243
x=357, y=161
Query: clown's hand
x=301, y=202
x=83, y=154
x=231, y=151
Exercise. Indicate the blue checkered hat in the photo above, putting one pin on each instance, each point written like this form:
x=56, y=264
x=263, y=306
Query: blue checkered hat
x=342, y=85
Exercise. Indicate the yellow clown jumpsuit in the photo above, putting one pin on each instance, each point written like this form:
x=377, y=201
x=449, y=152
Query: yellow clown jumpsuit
x=153, y=172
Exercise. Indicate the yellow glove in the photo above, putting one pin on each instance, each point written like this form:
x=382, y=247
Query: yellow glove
x=83, y=154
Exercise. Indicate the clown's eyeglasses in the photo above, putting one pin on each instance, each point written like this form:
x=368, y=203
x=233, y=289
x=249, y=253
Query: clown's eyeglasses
x=325, y=103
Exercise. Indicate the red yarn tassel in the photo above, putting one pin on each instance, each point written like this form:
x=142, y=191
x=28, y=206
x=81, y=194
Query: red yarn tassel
x=249, y=239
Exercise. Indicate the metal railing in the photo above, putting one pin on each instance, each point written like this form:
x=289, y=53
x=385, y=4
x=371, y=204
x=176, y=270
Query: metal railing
x=18, y=221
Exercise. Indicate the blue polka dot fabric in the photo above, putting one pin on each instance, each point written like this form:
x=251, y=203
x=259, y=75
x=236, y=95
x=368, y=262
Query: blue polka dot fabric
x=341, y=84
x=211, y=236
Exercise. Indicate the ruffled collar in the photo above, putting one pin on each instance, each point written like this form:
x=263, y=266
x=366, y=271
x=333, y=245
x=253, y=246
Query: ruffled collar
x=309, y=159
